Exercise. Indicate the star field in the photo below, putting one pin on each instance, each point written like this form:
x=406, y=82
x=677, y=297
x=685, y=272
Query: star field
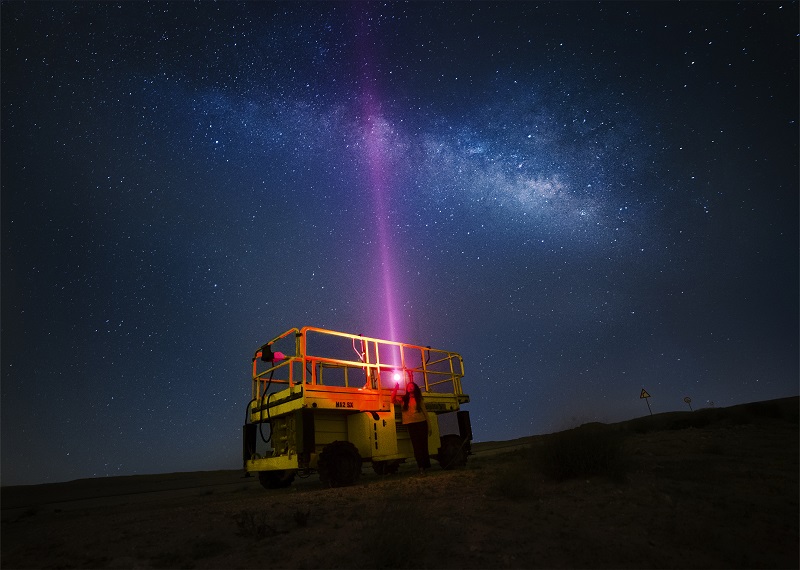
x=583, y=199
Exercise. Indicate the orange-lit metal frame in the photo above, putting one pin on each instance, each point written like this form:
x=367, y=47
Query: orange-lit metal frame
x=440, y=370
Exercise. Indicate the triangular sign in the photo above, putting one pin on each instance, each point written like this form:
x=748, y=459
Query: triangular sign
x=644, y=394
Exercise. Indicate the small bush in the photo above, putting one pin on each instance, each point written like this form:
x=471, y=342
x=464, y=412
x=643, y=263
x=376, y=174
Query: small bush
x=200, y=549
x=96, y=562
x=513, y=480
x=255, y=524
x=390, y=549
x=714, y=448
x=185, y=556
x=582, y=452
x=771, y=410
x=169, y=559
x=301, y=518
x=697, y=420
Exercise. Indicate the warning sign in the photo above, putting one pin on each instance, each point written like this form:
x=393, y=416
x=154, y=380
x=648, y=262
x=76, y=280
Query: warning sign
x=644, y=394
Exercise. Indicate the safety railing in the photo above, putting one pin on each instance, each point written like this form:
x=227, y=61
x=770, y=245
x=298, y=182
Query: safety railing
x=318, y=357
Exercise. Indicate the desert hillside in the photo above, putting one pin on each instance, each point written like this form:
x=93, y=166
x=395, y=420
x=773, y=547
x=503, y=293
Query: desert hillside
x=713, y=488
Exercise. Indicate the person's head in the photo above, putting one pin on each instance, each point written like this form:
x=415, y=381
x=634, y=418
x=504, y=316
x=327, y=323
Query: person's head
x=412, y=389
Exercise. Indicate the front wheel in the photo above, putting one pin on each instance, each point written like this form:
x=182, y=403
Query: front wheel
x=452, y=454
x=339, y=464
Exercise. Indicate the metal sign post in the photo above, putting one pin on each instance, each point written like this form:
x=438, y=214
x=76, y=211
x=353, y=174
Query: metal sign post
x=645, y=396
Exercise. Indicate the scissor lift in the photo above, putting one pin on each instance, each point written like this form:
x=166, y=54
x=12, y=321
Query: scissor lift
x=324, y=399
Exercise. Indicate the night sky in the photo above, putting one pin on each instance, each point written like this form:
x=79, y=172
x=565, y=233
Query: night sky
x=583, y=199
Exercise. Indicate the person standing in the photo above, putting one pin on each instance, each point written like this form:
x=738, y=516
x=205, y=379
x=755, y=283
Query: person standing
x=415, y=418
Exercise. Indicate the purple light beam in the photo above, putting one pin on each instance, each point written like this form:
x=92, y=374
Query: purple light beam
x=376, y=151
x=377, y=147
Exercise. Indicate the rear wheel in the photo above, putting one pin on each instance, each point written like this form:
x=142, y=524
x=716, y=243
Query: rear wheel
x=452, y=454
x=276, y=479
x=339, y=464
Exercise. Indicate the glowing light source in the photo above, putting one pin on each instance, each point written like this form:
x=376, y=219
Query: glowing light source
x=268, y=356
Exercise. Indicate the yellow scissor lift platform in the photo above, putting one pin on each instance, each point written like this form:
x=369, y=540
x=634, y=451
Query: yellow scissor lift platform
x=325, y=399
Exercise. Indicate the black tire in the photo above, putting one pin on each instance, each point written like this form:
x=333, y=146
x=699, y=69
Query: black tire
x=276, y=479
x=452, y=454
x=385, y=467
x=339, y=464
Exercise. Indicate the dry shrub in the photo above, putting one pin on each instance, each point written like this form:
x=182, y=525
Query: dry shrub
x=254, y=524
x=512, y=479
x=770, y=410
x=184, y=556
x=301, y=518
x=257, y=524
x=583, y=452
x=390, y=549
x=209, y=548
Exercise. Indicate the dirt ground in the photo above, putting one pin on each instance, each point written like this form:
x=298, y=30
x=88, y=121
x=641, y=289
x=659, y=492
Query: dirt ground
x=704, y=489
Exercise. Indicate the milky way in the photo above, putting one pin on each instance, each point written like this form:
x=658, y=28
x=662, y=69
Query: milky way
x=583, y=200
